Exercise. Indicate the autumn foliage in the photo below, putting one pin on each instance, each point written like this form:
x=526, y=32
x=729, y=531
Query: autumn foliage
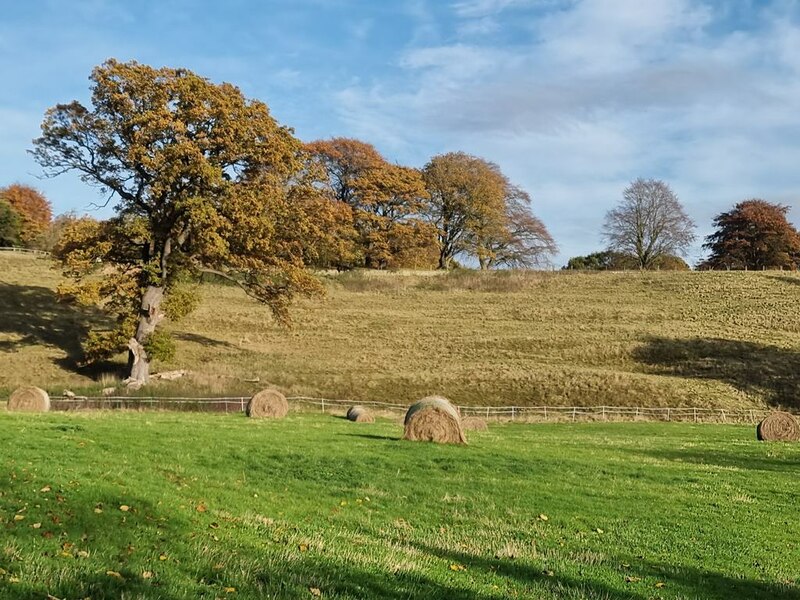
x=203, y=180
x=33, y=208
x=755, y=234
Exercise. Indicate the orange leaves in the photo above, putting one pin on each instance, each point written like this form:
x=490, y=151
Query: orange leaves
x=33, y=208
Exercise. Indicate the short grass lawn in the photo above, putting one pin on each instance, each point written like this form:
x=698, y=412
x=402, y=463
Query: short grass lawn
x=169, y=506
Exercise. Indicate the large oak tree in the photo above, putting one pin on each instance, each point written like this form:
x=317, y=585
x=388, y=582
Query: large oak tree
x=202, y=180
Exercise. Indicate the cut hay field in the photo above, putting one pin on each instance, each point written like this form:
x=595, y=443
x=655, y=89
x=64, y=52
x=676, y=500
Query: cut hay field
x=651, y=339
x=167, y=506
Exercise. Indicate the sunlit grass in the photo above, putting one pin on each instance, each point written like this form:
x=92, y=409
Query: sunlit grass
x=171, y=506
x=670, y=339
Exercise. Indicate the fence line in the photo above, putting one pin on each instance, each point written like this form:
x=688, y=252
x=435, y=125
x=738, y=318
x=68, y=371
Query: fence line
x=497, y=413
x=24, y=250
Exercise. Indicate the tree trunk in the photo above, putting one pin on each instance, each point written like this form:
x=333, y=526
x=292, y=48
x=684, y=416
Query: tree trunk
x=149, y=317
x=443, y=260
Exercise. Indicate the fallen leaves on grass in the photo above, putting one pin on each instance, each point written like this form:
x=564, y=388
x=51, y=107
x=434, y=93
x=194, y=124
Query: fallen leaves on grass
x=457, y=567
x=124, y=508
x=115, y=574
x=316, y=592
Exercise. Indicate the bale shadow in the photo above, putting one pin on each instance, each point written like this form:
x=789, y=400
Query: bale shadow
x=750, y=367
x=373, y=436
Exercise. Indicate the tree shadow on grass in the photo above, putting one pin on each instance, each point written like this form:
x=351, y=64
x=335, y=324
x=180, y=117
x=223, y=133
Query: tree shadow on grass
x=750, y=367
x=729, y=460
x=33, y=316
x=203, y=340
x=697, y=583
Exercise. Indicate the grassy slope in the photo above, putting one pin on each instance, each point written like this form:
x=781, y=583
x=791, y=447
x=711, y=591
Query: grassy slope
x=274, y=509
x=702, y=339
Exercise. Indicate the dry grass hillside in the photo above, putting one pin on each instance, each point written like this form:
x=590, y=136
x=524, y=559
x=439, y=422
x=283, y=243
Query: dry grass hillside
x=649, y=339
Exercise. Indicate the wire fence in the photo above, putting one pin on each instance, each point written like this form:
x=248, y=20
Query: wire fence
x=238, y=404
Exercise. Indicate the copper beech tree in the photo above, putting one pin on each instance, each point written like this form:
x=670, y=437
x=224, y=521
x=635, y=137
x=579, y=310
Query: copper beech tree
x=755, y=234
x=201, y=179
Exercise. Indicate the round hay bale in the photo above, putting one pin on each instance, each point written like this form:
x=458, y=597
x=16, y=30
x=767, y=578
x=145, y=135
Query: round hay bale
x=778, y=427
x=359, y=414
x=474, y=424
x=434, y=419
x=29, y=399
x=267, y=404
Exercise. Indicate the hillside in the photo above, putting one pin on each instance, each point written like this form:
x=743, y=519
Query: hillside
x=650, y=339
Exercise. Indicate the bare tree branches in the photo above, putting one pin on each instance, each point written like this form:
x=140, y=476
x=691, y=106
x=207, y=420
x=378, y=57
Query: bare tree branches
x=649, y=223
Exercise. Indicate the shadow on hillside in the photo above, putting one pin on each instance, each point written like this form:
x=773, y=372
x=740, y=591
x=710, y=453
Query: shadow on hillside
x=34, y=317
x=786, y=279
x=696, y=583
x=750, y=367
x=203, y=340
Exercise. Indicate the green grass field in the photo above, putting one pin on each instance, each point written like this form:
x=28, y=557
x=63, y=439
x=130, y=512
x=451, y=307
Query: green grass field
x=652, y=339
x=168, y=506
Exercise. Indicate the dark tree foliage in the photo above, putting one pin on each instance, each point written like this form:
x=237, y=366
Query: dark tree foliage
x=755, y=234
x=10, y=225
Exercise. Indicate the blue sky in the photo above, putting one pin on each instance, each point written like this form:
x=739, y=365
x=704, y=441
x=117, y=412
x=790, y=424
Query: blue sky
x=572, y=98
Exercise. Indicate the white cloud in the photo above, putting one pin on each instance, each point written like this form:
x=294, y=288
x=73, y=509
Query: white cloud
x=601, y=92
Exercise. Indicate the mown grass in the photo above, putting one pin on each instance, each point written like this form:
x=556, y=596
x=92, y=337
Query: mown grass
x=158, y=505
x=670, y=339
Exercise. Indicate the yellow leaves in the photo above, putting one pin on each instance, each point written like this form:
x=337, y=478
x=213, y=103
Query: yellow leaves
x=201, y=508
x=457, y=567
x=632, y=579
x=19, y=517
x=661, y=584
x=45, y=489
x=162, y=556
x=598, y=530
x=302, y=547
x=316, y=592
x=229, y=590
x=115, y=574
x=147, y=574
x=97, y=510
x=124, y=508
x=36, y=525
x=543, y=517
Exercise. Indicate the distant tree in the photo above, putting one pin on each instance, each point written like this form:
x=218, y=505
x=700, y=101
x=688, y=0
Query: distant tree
x=33, y=208
x=668, y=262
x=520, y=240
x=10, y=225
x=51, y=235
x=467, y=204
x=386, y=199
x=203, y=180
x=649, y=223
x=606, y=260
x=754, y=235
